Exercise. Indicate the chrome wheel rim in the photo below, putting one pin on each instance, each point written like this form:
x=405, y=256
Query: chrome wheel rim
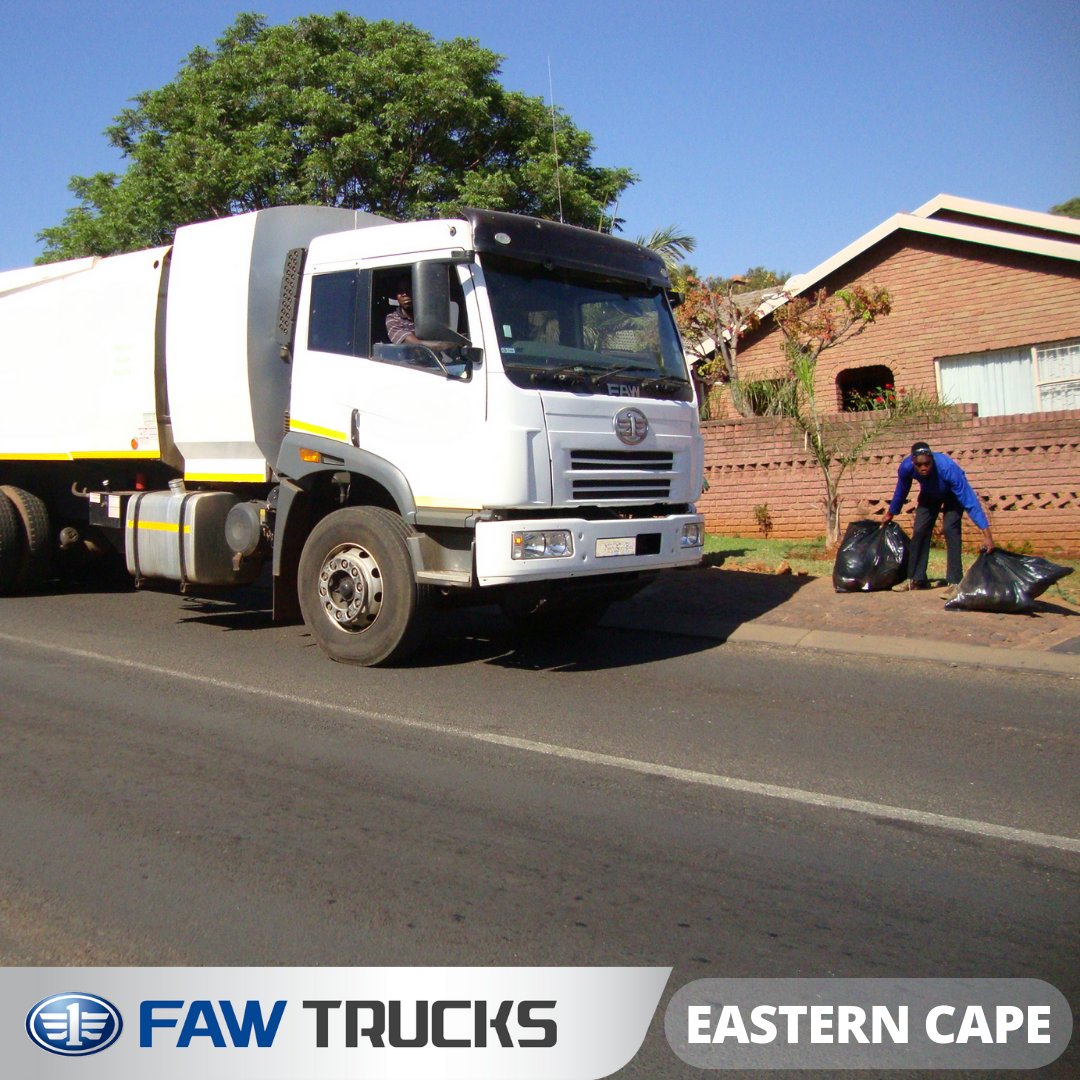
x=351, y=588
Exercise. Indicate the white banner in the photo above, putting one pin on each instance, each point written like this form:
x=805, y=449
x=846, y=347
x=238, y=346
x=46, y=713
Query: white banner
x=324, y=1023
x=875, y=1025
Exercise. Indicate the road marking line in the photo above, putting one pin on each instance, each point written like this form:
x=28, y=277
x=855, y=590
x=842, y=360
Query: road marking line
x=590, y=757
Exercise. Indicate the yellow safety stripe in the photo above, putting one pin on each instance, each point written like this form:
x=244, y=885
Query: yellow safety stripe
x=149, y=455
x=443, y=504
x=228, y=478
x=35, y=457
x=314, y=429
x=159, y=526
x=81, y=455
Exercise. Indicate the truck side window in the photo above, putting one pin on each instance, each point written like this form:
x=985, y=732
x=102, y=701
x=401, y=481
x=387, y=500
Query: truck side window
x=338, y=321
x=384, y=302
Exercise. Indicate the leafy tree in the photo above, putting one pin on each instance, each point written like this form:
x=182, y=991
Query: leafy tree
x=810, y=326
x=754, y=279
x=714, y=317
x=335, y=111
x=1067, y=209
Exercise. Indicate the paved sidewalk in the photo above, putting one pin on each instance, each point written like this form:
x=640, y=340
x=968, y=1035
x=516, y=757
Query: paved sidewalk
x=734, y=605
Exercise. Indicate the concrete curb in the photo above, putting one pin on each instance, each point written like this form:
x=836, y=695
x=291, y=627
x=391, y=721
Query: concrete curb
x=910, y=649
x=900, y=648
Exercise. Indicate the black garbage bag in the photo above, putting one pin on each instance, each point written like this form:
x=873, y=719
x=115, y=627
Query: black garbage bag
x=871, y=558
x=998, y=580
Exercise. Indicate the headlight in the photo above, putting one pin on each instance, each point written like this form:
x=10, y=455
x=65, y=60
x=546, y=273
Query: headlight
x=693, y=535
x=550, y=544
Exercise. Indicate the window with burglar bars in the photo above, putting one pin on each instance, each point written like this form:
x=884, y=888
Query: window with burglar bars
x=1057, y=376
x=1034, y=378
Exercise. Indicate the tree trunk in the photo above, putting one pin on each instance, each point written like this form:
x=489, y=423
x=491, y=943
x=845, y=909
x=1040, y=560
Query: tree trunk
x=831, y=504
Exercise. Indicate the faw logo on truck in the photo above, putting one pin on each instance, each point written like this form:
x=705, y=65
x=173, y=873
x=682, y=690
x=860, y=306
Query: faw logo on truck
x=631, y=426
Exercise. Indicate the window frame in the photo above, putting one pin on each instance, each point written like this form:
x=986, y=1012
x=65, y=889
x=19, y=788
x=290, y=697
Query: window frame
x=361, y=311
x=1038, y=384
x=1069, y=343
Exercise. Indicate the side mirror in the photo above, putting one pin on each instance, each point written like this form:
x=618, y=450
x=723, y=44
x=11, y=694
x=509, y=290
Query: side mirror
x=431, y=303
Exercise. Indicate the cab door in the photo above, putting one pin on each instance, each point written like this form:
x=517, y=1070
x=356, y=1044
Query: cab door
x=395, y=402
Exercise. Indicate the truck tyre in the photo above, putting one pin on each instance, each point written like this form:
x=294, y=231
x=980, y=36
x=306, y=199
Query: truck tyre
x=36, y=561
x=11, y=544
x=357, y=591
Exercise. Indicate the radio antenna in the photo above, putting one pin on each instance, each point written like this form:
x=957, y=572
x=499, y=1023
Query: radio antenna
x=555, y=140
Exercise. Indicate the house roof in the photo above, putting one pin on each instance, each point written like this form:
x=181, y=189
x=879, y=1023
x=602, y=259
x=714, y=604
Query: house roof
x=949, y=207
x=951, y=217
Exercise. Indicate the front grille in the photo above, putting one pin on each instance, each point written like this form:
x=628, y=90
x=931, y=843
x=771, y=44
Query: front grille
x=589, y=490
x=608, y=460
x=605, y=475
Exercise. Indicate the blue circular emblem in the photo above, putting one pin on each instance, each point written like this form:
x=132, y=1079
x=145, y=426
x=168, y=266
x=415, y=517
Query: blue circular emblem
x=74, y=1025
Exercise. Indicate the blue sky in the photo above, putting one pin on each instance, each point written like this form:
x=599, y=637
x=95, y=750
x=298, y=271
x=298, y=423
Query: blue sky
x=773, y=132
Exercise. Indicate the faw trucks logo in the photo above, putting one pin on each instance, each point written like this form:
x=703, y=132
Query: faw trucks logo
x=74, y=1025
x=631, y=426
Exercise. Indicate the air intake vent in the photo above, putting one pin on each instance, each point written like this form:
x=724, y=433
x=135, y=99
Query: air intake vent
x=620, y=460
x=591, y=490
x=289, y=298
x=617, y=476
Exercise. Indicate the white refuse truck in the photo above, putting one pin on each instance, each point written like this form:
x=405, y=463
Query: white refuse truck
x=233, y=400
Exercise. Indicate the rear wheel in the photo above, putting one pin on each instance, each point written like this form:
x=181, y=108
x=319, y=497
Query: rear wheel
x=357, y=591
x=36, y=556
x=11, y=544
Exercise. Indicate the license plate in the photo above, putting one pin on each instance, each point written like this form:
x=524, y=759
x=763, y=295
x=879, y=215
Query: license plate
x=616, y=545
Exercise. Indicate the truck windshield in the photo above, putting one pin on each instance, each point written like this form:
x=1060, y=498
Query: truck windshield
x=585, y=333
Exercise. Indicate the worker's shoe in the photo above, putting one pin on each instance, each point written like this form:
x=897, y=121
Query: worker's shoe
x=911, y=586
x=952, y=592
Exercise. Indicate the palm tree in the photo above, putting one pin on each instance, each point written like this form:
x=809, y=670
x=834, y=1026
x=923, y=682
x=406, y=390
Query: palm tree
x=672, y=246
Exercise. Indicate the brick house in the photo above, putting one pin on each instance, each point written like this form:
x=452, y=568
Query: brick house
x=986, y=312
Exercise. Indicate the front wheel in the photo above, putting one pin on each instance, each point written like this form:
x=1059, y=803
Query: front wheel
x=357, y=592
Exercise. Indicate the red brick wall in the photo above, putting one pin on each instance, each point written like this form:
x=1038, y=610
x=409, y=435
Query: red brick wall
x=948, y=297
x=1026, y=470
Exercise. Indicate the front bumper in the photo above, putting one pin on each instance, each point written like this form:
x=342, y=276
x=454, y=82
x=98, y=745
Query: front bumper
x=650, y=544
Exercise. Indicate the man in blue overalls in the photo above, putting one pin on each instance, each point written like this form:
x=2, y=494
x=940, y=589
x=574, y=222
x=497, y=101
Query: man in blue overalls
x=943, y=489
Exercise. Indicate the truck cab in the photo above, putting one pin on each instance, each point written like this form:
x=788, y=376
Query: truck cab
x=544, y=450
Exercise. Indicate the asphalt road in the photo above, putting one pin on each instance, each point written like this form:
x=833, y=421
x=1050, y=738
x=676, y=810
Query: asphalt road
x=183, y=783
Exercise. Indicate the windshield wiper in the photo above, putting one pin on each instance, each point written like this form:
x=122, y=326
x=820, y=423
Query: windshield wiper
x=590, y=374
x=665, y=382
x=593, y=374
x=607, y=373
x=570, y=374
